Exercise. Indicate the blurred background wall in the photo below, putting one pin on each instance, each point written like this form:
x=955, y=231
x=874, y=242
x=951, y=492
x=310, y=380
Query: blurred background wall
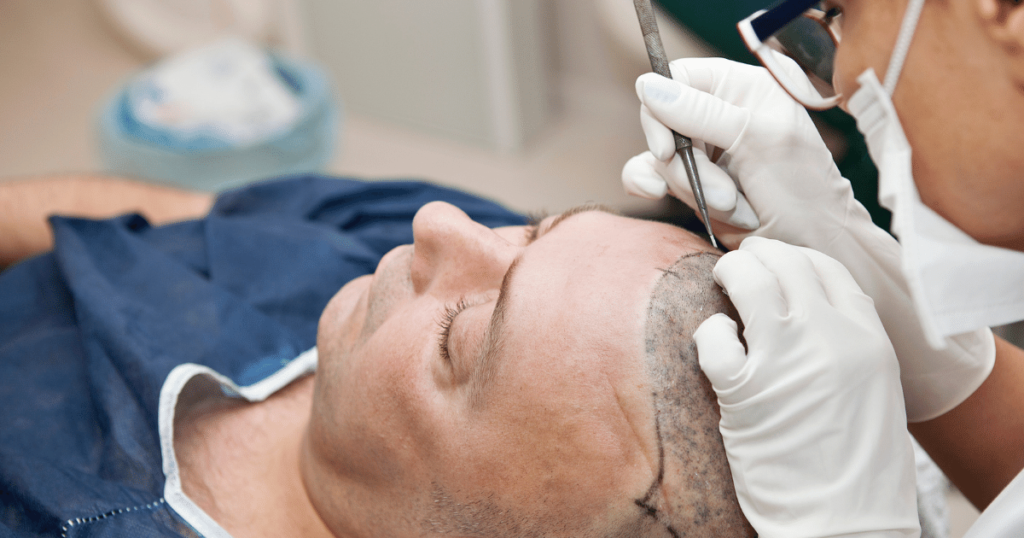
x=477, y=71
x=529, y=102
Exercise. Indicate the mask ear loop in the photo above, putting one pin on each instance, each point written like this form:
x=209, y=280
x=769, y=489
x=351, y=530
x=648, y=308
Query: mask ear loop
x=899, y=53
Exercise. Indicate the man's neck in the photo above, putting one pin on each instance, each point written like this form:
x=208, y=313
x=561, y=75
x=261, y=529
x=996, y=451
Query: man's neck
x=239, y=462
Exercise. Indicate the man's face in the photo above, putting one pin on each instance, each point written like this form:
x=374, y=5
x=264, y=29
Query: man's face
x=481, y=374
x=956, y=98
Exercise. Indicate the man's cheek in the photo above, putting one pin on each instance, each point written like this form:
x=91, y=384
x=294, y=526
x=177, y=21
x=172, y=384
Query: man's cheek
x=391, y=360
x=343, y=317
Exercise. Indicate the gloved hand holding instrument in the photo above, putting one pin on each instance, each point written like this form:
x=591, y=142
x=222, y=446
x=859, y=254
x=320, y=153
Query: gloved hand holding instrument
x=775, y=178
x=955, y=271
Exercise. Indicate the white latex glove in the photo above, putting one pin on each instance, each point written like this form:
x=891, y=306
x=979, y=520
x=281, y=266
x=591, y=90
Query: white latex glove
x=812, y=410
x=777, y=179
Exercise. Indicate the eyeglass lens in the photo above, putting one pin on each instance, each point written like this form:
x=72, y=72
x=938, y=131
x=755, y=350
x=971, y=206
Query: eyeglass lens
x=808, y=41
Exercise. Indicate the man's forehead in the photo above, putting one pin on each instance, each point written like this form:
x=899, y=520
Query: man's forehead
x=595, y=262
x=593, y=274
x=597, y=225
x=591, y=244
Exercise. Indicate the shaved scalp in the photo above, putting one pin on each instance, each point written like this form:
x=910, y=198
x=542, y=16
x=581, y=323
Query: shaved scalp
x=693, y=493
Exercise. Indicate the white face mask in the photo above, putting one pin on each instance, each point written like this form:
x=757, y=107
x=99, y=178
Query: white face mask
x=957, y=284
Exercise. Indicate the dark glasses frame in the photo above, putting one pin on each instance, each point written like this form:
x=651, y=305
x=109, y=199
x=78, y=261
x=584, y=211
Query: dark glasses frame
x=758, y=28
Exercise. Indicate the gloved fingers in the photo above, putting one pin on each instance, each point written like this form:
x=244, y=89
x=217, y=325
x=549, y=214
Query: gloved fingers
x=729, y=236
x=719, y=351
x=754, y=290
x=796, y=74
x=743, y=216
x=736, y=82
x=720, y=191
x=843, y=291
x=660, y=140
x=799, y=282
x=640, y=177
x=645, y=176
x=691, y=112
x=709, y=74
x=725, y=203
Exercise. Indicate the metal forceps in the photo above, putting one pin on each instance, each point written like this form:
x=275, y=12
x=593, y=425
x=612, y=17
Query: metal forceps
x=659, y=63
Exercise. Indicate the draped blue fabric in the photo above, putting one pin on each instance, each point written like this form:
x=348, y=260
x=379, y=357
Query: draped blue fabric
x=89, y=332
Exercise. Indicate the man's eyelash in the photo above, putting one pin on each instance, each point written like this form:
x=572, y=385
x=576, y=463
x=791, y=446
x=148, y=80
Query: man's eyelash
x=530, y=233
x=536, y=217
x=533, y=225
x=445, y=323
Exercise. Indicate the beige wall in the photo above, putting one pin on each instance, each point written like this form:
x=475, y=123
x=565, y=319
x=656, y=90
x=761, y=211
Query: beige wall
x=60, y=58
x=473, y=70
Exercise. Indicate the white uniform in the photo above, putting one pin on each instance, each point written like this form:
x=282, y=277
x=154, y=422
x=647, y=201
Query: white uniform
x=1004, y=518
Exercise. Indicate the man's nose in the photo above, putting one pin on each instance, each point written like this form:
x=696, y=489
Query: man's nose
x=452, y=250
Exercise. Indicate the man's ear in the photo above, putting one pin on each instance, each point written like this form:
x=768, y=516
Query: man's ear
x=1003, y=20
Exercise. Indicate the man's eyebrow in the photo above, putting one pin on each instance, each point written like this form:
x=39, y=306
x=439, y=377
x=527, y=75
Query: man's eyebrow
x=506, y=282
x=535, y=231
x=495, y=329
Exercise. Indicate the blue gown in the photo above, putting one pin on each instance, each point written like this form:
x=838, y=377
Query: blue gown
x=90, y=331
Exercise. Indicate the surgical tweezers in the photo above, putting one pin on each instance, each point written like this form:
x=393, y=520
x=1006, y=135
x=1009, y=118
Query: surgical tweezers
x=659, y=63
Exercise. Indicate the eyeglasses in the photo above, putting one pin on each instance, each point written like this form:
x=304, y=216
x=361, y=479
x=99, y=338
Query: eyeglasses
x=797, y=31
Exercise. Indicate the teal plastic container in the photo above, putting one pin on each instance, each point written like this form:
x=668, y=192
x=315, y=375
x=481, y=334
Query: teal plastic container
x=131, y=150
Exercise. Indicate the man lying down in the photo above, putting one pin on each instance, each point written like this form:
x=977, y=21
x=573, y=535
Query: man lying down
x=519, y=381
x=515, y=382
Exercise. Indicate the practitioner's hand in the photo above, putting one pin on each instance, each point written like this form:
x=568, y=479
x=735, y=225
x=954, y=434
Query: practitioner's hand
x=774, y=174
x=812, y=411
x=774, y=165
